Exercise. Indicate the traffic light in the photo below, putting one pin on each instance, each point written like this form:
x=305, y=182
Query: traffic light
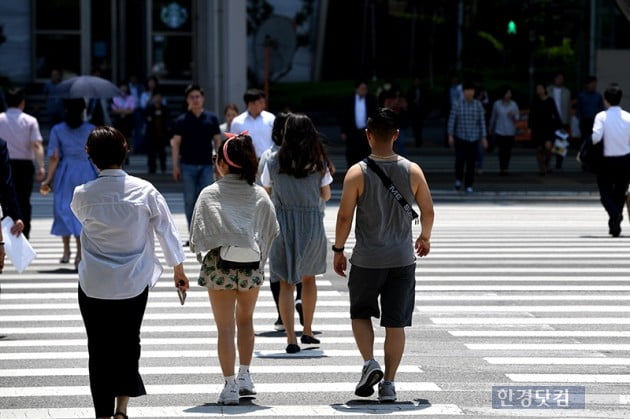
x=511, y=28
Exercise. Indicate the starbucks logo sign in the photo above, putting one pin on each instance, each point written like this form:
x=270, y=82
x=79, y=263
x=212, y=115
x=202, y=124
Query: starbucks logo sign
x=173, y=15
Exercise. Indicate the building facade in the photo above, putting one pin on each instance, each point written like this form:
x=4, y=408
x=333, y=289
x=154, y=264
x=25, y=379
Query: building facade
x=177, y=40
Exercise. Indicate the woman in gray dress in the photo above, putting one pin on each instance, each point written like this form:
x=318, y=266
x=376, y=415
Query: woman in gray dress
x=298, y=179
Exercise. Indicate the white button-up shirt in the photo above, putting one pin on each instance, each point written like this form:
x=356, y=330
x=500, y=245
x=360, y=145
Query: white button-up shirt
x=120, y=214
x=360, y=112
x=20, y=130
x=613, y=125
x=259, y=129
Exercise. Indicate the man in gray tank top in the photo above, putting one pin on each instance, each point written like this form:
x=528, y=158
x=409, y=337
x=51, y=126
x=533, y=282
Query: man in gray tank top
x=383, y=259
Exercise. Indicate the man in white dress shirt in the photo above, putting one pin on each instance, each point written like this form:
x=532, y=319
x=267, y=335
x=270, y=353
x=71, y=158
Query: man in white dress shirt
x=255, y=120
x=353, y=119
x=24, y=141
x=612, y=126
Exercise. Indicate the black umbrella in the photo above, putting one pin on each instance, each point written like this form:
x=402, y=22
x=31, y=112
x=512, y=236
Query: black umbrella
x=87, y=87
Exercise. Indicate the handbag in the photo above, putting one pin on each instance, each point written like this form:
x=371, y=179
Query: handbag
x=561, y=143
x=235, y=257
x=389, y=185
x=591, y=155
x=560, y=147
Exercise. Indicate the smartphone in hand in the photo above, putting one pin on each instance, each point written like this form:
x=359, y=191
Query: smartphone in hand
x=181, y=293
x=182, y=296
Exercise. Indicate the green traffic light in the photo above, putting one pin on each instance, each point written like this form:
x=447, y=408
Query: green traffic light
x=511, y=28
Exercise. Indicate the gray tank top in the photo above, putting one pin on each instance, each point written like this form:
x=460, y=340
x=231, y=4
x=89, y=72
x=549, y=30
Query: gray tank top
x=383, y=229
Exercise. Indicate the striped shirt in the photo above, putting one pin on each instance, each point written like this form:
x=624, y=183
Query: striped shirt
x=467, y=121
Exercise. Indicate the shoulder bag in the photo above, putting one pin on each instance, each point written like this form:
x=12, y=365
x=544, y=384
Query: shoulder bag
x=389, y=185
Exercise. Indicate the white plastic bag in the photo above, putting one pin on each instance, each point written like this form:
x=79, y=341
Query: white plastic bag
x=17, y=248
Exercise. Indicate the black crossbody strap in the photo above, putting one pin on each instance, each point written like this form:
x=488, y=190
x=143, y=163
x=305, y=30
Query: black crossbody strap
x=389, y=185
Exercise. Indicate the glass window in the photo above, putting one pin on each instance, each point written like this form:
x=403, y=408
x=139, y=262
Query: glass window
x=172, y=57
x=57, y=51
x=58, y=15
x=101, y=49
x=57, y=37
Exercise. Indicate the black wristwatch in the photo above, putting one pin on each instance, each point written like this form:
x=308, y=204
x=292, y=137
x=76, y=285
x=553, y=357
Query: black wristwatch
x=337, y=249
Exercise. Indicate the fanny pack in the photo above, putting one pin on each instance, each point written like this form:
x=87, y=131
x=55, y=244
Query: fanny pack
x=234, y=257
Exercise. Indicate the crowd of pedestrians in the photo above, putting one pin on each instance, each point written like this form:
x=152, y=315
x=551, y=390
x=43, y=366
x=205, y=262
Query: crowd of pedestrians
x=255, y=190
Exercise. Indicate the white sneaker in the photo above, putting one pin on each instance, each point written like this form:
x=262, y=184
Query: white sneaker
x=245, y=384
x=229, y=394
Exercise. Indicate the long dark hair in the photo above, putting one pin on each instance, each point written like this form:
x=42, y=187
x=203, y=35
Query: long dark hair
x=277, y=132
x=302, y=151
x=241, y=152
x=73, y=109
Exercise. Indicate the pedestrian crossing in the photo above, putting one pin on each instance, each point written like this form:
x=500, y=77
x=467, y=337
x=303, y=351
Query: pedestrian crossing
x=539, y=295
x=510, y=295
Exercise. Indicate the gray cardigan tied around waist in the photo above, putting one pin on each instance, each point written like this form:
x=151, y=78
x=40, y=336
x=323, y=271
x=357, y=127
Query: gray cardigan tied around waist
x=230, y=212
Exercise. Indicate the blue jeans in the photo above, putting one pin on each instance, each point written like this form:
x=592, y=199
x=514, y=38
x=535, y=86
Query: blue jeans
x=195, y=177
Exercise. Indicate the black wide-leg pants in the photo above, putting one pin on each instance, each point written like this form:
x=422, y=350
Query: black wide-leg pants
x=113, y=332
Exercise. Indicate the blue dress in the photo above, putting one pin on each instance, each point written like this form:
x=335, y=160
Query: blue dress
x=74, y=169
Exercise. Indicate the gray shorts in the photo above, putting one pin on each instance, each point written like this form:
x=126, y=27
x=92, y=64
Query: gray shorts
x=395, y=286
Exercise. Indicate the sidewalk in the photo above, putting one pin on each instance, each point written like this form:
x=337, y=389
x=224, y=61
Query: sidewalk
x=522, y=182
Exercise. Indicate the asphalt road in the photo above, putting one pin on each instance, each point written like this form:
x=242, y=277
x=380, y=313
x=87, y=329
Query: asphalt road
x=515, y=293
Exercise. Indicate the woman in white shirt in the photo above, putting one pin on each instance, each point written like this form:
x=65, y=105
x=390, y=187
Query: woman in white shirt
x=503, y=126
x=120, y=214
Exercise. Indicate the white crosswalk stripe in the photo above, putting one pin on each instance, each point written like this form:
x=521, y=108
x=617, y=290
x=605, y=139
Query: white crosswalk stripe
x=538, y=305
x=510, y=295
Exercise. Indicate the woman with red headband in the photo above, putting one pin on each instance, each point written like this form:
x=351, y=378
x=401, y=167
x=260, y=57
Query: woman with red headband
x=232, y=228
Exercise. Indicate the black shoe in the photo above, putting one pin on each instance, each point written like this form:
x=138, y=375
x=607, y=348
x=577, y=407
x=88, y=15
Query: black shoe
x=309, y=340
x=298, y=308
x=614, y=226
x=292, y=348
x=186, y=243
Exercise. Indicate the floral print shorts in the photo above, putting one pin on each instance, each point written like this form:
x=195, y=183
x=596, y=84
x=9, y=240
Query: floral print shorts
x=227, y=279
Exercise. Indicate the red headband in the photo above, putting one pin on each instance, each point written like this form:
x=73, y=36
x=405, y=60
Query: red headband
x=231, y=136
